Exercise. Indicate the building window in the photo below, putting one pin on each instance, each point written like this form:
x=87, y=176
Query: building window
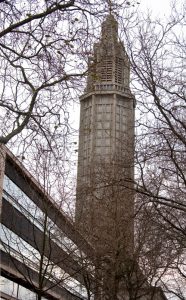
x=105, y=68
x=13, y=289
x=16, y=247
x=15, y=196
x=119, y=70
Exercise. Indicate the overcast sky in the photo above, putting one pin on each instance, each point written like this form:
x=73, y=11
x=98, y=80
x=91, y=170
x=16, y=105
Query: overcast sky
x=159, y=7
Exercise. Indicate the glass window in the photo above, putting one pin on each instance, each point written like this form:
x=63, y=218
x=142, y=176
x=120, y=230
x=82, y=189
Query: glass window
x=22, y=251
x=24, y=293
x=18, y=248
x=8, y=287
x=22, y=202
x=16, y=290
x=14, y=195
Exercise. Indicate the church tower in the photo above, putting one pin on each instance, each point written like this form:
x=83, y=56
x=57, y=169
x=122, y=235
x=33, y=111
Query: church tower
x=104, y=205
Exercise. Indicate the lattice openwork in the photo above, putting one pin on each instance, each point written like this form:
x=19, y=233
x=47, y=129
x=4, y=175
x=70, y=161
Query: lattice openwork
x=119, y=70
x=105, y=69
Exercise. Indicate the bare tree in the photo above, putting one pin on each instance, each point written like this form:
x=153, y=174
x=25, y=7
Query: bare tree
x=42, y=46
x=44, y=53
x=157, y=55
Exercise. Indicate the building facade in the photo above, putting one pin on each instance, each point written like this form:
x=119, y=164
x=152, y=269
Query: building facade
x=41, y=252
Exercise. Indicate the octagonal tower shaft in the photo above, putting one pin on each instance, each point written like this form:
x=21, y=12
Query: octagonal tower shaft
x=104, y=205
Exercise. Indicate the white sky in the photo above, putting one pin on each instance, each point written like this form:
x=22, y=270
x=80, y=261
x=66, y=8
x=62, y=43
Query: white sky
x=158, y=7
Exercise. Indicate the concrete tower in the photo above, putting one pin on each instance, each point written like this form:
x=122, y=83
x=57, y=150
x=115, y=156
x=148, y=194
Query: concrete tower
x=104, y=206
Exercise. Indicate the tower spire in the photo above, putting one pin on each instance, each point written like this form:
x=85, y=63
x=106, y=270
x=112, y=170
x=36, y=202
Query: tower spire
x=109, y=32
x=109, y=66
x=110, y=4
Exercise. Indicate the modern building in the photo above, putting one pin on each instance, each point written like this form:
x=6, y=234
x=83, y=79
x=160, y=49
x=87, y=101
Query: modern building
x=41, y=252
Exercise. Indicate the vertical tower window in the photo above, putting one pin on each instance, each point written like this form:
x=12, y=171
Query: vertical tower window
x=105, y=69
x=119, y=70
